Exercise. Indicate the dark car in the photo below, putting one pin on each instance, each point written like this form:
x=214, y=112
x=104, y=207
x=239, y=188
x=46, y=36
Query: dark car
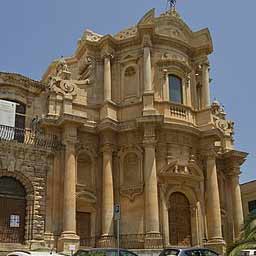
x=104, y=252
x=188, y=252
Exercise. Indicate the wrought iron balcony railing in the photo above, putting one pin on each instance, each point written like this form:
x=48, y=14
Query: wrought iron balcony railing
x=29, y=137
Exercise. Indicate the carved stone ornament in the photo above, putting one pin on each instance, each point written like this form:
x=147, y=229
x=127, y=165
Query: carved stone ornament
x=87, y=69
x=146, y=41
x=62, y=86
x=171, y=13
x=61, y=83
x=131, y=192
x=221, y=123
x=173, y=168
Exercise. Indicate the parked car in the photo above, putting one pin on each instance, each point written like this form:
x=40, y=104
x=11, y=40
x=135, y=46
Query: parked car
x=33, y=253
x=248, y=252
x=104, y=252
x=188, y=252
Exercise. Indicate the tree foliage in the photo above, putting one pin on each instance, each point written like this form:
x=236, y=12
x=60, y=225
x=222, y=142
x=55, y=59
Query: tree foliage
x=248, y=236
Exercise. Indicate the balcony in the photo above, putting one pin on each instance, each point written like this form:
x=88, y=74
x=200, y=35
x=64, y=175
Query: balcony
x=27, y=136
x=176, y=112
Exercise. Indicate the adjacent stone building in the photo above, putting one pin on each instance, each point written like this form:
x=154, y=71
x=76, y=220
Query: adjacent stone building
x=248, y=191
x=126, y=120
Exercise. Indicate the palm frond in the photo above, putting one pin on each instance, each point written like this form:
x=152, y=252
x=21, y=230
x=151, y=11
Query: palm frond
x=250, y=244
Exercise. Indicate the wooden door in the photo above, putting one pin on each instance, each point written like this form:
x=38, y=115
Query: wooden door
x=83, y=225
x=179, y=220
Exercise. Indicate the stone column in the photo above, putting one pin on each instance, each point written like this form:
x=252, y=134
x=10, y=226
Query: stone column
x=107, y=228
x=237, y=204
x=68, y=235
x=206, y=86
x=48, y=234
x=166, y=86
x=194, y=96
x=165, y=220
x=147, y=70
x=215, y=239
x=151, y=190
x=107, y=78
x=188, y=91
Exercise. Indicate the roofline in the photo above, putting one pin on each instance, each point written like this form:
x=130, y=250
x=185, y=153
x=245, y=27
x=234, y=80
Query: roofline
x=251, y=181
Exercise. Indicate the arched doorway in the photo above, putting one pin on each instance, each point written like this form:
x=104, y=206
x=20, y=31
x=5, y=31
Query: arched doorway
x=179, y=220
x=13, y=210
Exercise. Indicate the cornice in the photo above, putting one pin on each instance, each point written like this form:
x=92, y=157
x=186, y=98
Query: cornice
x=20, y=80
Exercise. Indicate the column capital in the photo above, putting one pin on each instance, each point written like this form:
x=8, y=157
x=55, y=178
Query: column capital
x=108, y=148
x=146, y=41
x=107, y=52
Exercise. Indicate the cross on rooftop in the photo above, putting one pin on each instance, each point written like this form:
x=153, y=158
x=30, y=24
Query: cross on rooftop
x=171, y=3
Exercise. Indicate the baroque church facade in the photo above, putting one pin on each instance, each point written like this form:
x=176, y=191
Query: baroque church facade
x=127, y=120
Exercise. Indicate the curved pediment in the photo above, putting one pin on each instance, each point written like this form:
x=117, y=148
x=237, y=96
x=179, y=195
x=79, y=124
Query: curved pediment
x=86, y=196
x=189, y=170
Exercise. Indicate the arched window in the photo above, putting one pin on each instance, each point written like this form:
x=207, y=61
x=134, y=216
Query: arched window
x=175, y=89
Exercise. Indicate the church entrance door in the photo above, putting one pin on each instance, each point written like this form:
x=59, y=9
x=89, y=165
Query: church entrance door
x=12, y=210
x=179, y=220
x=83, y=226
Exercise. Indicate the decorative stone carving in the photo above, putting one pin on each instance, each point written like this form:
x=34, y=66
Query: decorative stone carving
x=221, y=123
x=171, y=13
x=190, y=170
x=146, y=41
x=91, y=36
x=61, y=83
x=87, y=69
x=127, y=33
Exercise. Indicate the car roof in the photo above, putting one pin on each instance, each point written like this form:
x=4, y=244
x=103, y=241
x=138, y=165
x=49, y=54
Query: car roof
x=188, y=248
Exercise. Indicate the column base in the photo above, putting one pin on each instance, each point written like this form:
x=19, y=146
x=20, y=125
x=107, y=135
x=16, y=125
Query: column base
x=49, y=240
x=106, y=242
x=148, y=104
x=217, y=244
x=153, y=241
x=68, y=240
x=36, y=244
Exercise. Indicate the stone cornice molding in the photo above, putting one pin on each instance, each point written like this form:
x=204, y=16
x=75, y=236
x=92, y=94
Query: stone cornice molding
x=168, y=62
x=13, y=79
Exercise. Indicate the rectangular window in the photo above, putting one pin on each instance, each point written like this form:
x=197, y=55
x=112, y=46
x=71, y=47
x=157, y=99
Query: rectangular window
x=252, y=205
x=175, y=89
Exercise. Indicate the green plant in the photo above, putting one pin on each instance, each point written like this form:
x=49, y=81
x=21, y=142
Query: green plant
x=248, y=236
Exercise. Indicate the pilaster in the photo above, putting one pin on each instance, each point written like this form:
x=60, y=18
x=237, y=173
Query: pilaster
x=148, y=94
x=206, y=85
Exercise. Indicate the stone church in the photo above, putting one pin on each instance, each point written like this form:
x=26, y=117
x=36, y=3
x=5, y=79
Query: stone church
x=127, y=120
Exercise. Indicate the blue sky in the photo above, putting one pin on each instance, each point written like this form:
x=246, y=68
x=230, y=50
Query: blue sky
x=33, y=33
